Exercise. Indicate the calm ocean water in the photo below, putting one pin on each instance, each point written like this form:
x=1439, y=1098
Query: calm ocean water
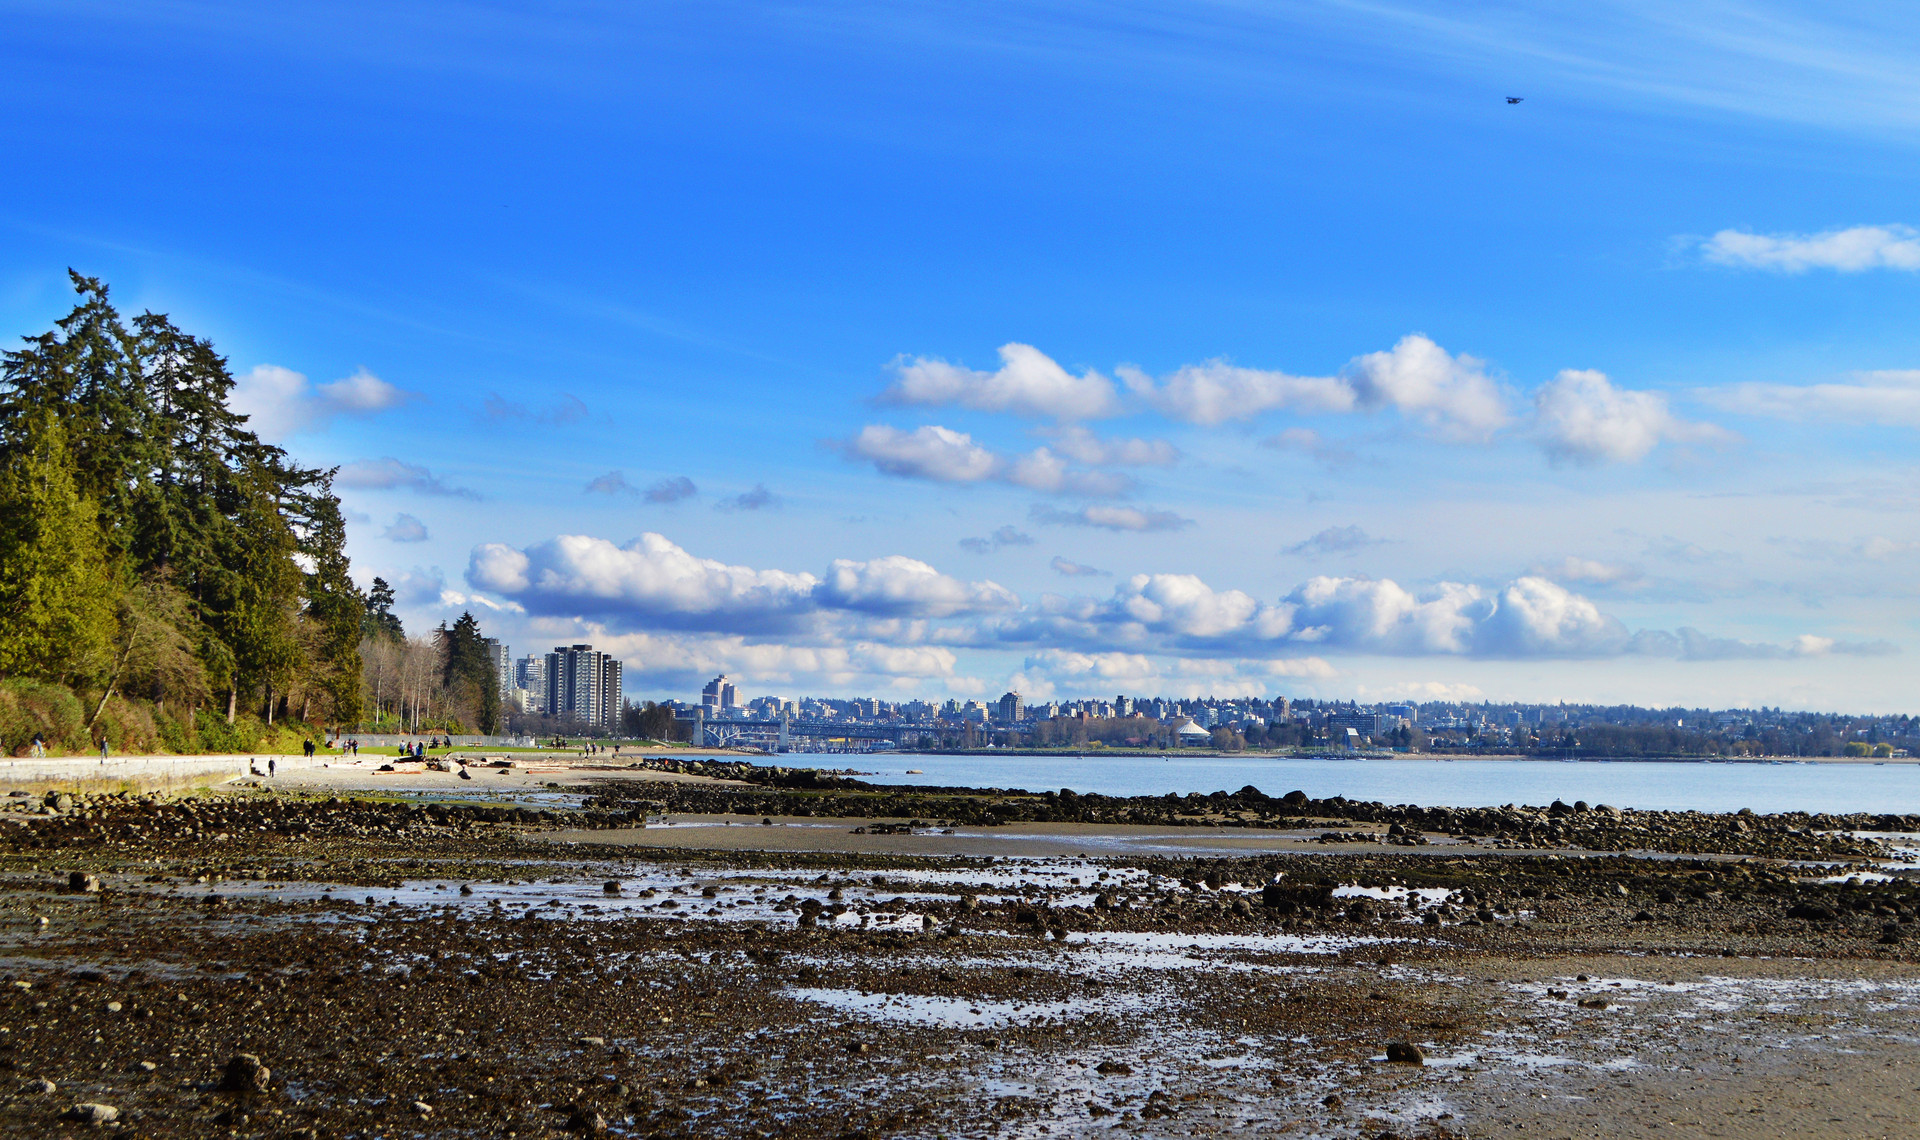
x=1647, y=785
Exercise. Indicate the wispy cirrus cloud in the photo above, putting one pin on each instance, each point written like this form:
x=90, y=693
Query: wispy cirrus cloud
x=567, y=409
x=1890, y=398
x=1855, y=249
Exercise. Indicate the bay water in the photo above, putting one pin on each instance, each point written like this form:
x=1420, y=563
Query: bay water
x=1425, y=780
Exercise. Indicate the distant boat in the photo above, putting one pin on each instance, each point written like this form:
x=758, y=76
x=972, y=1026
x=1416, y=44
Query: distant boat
x=915, y=772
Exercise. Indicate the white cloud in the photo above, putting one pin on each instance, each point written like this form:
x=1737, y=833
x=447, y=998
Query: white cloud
x=942, y=455
x=278, y=402
x=652, y=581
x=901, y=586
x=1052, y=671
x=1111, y=518
x=1582, y=418
x=405, y=528
x=1215, y=392
x=1891, y=398
x=1852, y=250
x=936, y=453
x=1880, y=548
x=1586, y=570
x=649, y=579
x=1082, y=446
x=390, y=474
x=1028, y=383
x=1451, y=394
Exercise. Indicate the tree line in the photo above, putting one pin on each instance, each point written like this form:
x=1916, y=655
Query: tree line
x=171, y=582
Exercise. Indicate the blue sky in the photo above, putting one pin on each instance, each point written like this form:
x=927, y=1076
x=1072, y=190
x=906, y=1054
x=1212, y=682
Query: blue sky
x=929, y=349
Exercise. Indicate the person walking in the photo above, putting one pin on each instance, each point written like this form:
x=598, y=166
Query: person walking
x=103, y=748
x=39, y=751
x=271, y=767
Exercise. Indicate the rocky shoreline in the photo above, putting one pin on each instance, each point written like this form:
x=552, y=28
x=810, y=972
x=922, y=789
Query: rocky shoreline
x=260, y=965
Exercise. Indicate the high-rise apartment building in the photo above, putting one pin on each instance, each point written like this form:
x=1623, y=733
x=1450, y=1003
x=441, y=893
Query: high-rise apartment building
x=501, y=658
x=720, y=696
x=583, y=684
x=1011, y=709
x=530, y=676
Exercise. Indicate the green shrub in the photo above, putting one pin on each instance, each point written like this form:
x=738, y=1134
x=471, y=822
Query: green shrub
x=27, y=707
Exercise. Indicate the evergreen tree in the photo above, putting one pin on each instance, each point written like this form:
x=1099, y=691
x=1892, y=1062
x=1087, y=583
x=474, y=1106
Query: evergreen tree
x=57, y=587
x=379, y=619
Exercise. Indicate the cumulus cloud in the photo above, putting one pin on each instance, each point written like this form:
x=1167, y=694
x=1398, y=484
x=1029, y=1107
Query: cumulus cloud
x=1452, y=395
x=1075, y=569
x=897, y=586
x=1111, y=518
x=1213, y=393
x=653, y=581
x=1582, y=418
x=1028, y=383
x=405, y=528
x=758, y=499
x=1852, y=250
x=1890, y=397
x=278, y=402
x=1005, y=536
x=942, y=455
x=566, y=410
x=1334, y=540
x=390, y=474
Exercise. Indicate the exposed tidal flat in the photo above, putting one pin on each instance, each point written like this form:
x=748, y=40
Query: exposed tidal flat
x=378, y=955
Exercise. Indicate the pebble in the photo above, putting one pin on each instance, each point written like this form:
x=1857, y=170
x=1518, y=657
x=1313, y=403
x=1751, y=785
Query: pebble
x=91, y=1114
x=245, y=1073
x=1406, y=1053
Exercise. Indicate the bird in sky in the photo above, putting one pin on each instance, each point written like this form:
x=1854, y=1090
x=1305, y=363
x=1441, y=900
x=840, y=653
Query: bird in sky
x=1515, y=98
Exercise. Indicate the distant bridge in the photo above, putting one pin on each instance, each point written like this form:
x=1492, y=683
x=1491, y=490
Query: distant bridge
x=776, y=735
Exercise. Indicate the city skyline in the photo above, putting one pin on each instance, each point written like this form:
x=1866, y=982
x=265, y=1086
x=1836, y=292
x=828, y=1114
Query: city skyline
x=1188, y=349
